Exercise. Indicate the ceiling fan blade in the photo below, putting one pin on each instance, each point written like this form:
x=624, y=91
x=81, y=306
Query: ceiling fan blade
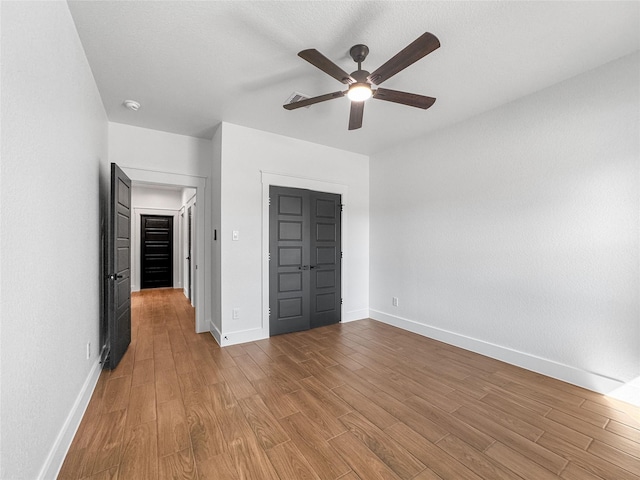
x=411, y=99
x=313, y=100
x=315, y=58
x=422, y=46
x=355, y=117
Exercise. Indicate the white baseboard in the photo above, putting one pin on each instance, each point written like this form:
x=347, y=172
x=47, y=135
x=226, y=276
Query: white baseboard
x=217, y=335
x=60, y=448
x=355, y=315
x=566, y=373
x=243, y=336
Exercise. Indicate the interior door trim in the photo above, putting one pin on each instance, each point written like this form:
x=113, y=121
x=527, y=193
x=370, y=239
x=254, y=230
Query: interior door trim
x=280, y=180
x=201, y=227
x=136, y=277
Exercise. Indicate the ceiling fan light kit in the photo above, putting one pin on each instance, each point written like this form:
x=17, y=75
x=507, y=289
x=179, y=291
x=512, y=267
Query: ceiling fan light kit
x=360, y=82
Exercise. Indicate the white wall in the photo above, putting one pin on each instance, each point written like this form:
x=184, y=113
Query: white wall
x=515, y=233
x=154, y=200
x=54, y=184
x=246, y=155
x=151, y=156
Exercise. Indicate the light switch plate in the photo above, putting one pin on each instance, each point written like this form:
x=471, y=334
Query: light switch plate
x=235, y=236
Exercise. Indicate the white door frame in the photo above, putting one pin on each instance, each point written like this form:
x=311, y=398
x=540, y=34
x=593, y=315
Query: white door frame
x=199, y=183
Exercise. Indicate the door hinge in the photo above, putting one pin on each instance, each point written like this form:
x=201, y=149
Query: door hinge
x=269, y=311
x=341, y=300
x=341, y=207
x=341, y=254
x=269, y=256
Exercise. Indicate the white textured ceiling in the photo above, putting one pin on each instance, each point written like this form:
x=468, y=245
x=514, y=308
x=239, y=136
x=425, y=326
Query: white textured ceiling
x=194, y=64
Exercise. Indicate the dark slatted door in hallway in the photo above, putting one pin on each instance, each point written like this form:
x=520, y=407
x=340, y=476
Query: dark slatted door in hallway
x=304, y=266
x=156, y=244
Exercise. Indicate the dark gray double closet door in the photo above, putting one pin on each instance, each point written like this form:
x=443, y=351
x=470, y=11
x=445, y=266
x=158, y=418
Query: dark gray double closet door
x=305, y=259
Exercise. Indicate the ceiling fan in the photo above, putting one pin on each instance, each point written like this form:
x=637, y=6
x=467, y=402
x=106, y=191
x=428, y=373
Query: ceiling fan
x=361, y=82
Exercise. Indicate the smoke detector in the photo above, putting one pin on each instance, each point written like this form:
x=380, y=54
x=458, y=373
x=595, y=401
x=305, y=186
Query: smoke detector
x=131, y=105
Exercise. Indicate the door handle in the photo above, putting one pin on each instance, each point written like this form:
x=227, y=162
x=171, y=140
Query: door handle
x=304, y=267
x=114, y=276
x=312, y=267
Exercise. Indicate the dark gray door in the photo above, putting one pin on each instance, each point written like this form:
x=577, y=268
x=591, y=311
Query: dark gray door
x=118, y=268
x=305, y=258
x=156, y=256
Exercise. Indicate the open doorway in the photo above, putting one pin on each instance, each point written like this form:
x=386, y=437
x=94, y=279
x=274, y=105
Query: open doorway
x=192, y=191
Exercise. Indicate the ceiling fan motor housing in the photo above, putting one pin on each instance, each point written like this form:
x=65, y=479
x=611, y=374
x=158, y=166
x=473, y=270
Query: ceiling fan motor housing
x=359, y=53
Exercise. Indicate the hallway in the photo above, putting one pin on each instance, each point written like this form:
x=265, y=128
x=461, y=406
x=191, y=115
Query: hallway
x=360, y=400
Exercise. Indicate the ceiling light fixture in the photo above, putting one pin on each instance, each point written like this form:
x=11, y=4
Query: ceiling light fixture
x=359, y=92
x=131, y=105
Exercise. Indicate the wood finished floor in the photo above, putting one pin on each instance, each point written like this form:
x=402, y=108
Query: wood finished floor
x=360, y=400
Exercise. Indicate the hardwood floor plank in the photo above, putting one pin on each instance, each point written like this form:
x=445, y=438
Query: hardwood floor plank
x=250, y=460
x=628, y=462
x=142, y=405
x=534, y=451
x=104, y=450
x=220, y=467
x=264, y=425
x=116, y=394
x=557, y=429
x=173, y=431
x=194, y=390
x=221, y=397
x=179, y=465
x=476, y=461
x=290, y=463
x=316, y=413
x=238, y=383
x=370, y=410
x=206, y=436
x=322, y=374
x=324, y=460
x=625, y=431
x=326, y=396
x=410, y=417
x=183, y=362
x=139, y=453
x=167, y=386
x=233, y=424
x=362, y=460
x=143, y=372
x=395, y=457
x=585, y=460
x=429, y=454
x=110, y=474
x=518, y=463
x=274, y=398
x=573, y=472
x=451, y=424
x=249, y=367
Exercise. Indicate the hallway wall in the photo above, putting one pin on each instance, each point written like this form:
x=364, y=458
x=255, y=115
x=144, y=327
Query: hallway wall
x=54, y=176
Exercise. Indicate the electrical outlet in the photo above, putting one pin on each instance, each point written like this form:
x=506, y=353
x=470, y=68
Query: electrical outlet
x=235, y=314
x=394, y=301
x=88, y=350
